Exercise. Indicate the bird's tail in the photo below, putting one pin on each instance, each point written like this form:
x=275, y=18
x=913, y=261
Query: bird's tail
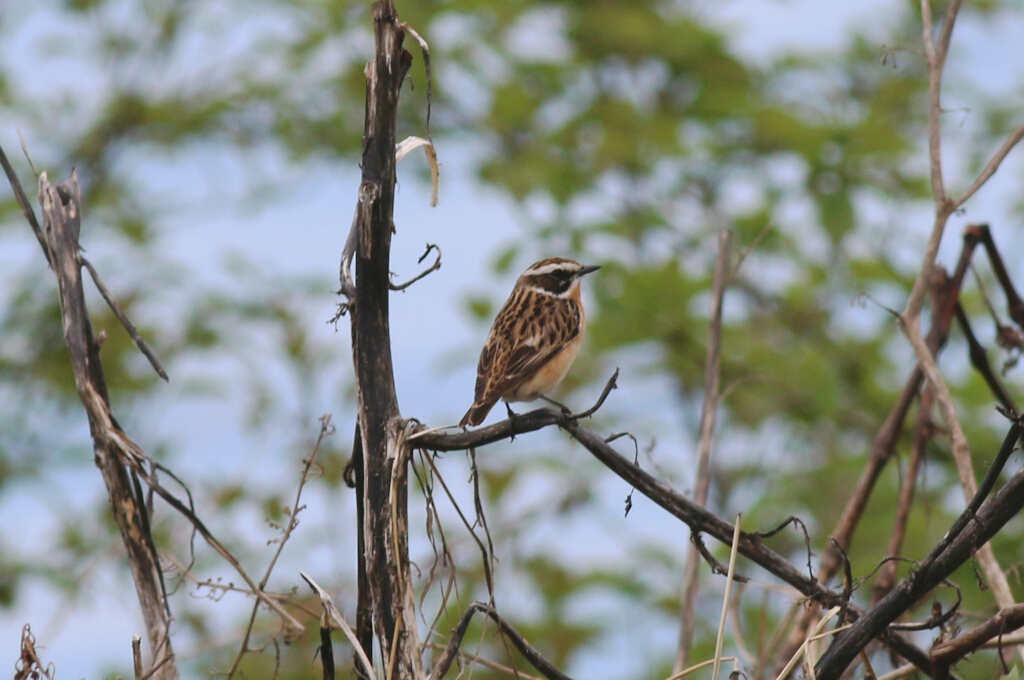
x=477, y=412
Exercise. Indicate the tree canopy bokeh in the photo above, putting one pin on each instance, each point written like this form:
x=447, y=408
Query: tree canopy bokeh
x=625, y=133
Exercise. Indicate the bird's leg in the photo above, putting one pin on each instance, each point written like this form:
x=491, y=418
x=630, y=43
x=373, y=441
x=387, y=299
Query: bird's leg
x=511, y=421
x=566, y=411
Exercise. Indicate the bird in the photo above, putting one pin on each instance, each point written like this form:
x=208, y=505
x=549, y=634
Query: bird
x=534, y=339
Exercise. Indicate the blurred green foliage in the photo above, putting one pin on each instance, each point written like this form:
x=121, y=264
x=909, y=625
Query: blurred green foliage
x=639, y=130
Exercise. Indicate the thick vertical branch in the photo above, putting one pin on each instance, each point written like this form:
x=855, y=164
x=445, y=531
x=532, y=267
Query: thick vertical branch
x=62, y=209
x=384, y=506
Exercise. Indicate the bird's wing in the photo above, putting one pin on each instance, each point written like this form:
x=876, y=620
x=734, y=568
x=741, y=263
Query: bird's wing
x=538, y=338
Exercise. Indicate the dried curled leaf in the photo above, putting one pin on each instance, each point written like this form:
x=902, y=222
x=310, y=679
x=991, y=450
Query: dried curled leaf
x=412, y=143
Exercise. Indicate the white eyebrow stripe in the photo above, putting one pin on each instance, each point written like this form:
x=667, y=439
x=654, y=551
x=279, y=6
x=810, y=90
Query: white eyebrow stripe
x=552, y=267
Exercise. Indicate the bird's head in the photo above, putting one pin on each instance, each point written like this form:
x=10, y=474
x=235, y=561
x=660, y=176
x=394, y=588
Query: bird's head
x=557, y=276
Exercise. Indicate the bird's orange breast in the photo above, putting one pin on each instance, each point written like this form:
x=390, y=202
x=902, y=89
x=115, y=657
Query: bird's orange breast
x=550, y=374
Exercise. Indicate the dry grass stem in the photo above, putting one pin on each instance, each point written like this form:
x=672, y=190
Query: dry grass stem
x=719, y=641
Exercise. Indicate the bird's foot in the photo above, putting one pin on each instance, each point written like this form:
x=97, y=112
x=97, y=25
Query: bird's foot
x=512, y=415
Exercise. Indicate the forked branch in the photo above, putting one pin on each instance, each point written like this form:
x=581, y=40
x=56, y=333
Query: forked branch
x=970, y=532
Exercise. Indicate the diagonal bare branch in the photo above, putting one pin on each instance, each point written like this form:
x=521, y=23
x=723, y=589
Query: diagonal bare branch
x=25, y=205
x=973, y=529
x=123, y=318
x=536, y=659
x=992, y=166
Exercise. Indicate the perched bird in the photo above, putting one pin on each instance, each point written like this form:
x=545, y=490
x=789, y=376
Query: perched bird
x=534, y=339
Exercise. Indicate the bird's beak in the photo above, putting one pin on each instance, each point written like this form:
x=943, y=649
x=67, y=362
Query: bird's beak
x=589, y=268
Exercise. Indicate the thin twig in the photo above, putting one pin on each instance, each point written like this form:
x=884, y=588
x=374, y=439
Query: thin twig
x=25, y=205
x=284, y=598
x=979, y=359
x=486, y=663
x=712, y=373
x=488, y=574
x=923, y=430
x=536, y=659
x=292, y=624
x=326, y=430
x=29, y=666
x=1005, y=621
x=990, y=169
x=339, y=620
x=123, y=318
x=716, y=566
x=112, y=448
x=432, y=268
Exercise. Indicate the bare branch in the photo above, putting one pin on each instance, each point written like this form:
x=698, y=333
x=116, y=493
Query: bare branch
x=385, y=590
x=486, y=663
x=432, y=268
x=970, y=532
x=28, y=666
x=923, y=431
x=339, y=620
x=62, y=214
x=26, y=205
x=536, y=659
x=123, y=318
x=326, y=430
x=691, y=573
x=293, y=627
x=326, y=648
x=1005, y=621
x=137, y=656
x=992, y=166
x=750, y=546
x=910, y=319
x=434, y=439
x=979, y=359
x=999, y=510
